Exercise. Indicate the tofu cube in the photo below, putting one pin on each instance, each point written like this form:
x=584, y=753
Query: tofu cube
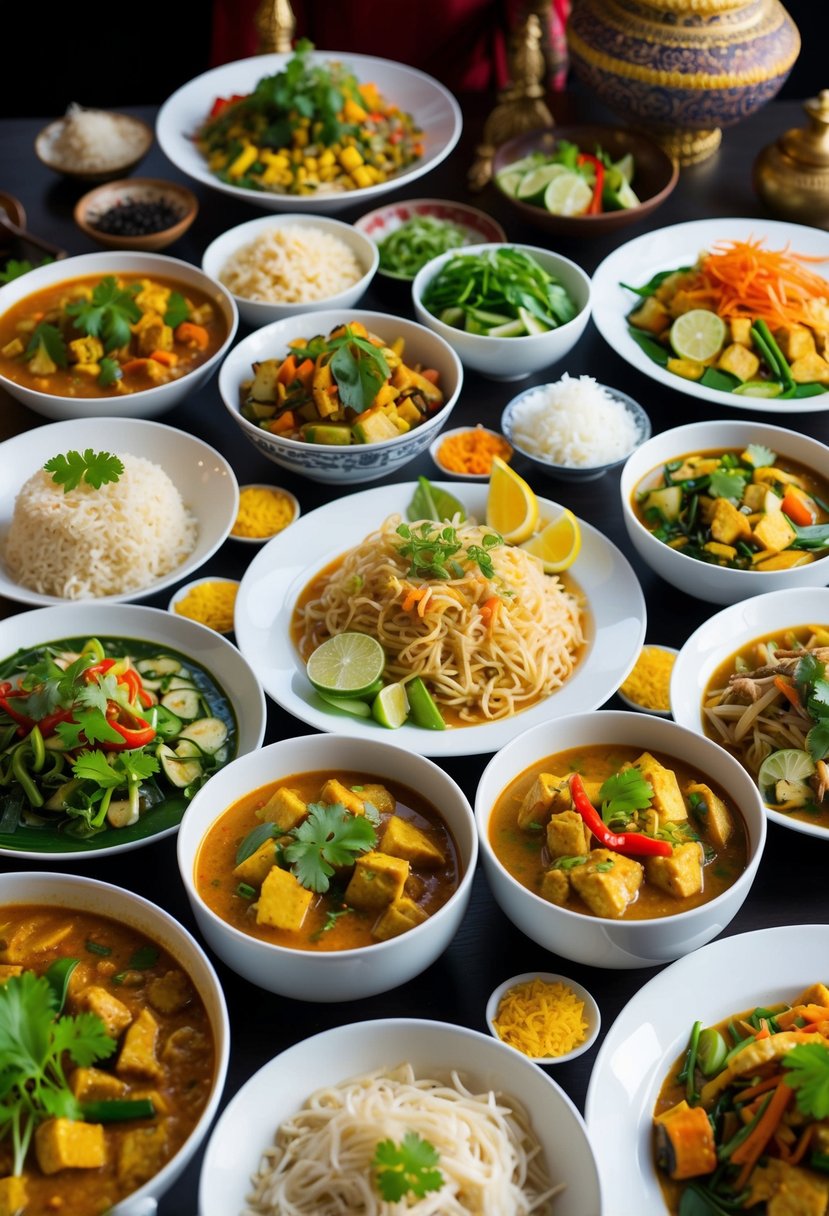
x=538, y=800
x=285, y=808
x=681, y=873
x=254, y=868
x=170, y=993
x=815, y=994
x=774, y=532
x=114, y=1014
x=380, y=798
x=35, y=936
x=754, y=496
x=141, y=1154
x=138, y=1052
x=12, y=1196
x=567, y=835
x=64, y=1144
x=740, y=328
x=651, y=315
x=555, y=886
x=810, y=367
x=95, y=1085
x=400, y=916
x=711, y=814
x=728, y=524
x=402, y=839
x=153, y=297
x=283, y=901
x=740, y=361
x=607, y=882
x=335, y=792
x=377, y=881
x=795, y=341
x=667, y=797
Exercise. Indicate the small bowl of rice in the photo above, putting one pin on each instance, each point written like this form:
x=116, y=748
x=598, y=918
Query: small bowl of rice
x=93, y=145
x=281, y=265
x=575, y=429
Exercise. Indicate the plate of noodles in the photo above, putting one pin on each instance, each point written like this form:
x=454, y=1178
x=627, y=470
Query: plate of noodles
x=480, y=1130
x=551, y=649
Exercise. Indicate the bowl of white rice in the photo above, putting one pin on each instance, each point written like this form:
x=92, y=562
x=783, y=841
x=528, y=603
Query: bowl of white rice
x=576, y=428
x=167, y=511
x=281, y=265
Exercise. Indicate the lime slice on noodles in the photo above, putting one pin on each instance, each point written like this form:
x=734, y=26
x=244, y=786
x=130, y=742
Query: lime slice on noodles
x=698, y=335
x=790, y=764
x=391, y=706
x=346, y=665
x=568, y=194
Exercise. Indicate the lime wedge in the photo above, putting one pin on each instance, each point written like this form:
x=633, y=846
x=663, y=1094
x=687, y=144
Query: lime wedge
x=625, y=167
x=790, y=764
x=534, y=183
x=346, y=665
x=347, y=705
x=391, y=706
x=508, y=181
x=568, y=194
x=422, y=706
x=698, y=335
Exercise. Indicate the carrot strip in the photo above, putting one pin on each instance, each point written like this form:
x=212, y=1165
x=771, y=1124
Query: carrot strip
x=802, y=1144
x=788, y=690
x=413, y=596
x=749, y=1152
x=489, y=610
x=754, y=1091
x=796, y=509
x=742, y=279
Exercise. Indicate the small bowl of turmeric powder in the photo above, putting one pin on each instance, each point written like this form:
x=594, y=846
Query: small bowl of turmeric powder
x=263, y=512
x=208, y=601
x=467, y=452
x=648, y=687
x=547, y=1017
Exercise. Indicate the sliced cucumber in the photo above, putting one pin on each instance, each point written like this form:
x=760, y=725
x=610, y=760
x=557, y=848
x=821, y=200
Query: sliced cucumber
x=161, y=665
x=453, y=317
x=180, y=682
x=531, y=323
x=209, y=734
x=182, y=766
x=167, y=724
x=184, y=702
x=512, y=329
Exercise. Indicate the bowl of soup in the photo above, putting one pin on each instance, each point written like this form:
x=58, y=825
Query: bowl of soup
x=329, y=868
x=143, y=1072
x=618, y=841
x=112, y=334
x=727, y=510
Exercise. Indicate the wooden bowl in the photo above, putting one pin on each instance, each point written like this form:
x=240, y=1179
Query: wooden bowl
x=97, y=202
x=655, y=175
x=47, y=154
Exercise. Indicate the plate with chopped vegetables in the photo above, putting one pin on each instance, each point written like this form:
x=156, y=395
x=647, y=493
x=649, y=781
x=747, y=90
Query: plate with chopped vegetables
x=733, y=311
x=360, y=126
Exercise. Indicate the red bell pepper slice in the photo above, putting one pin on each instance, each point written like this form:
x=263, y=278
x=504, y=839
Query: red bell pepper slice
x=595, y=205
x=635, y=843
x=135, y=731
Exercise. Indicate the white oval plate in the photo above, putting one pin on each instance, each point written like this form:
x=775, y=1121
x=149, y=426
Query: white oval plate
x=724, y=634
x=652, y=1031
x=277, y=575
x=435, y=109
x=680, y=245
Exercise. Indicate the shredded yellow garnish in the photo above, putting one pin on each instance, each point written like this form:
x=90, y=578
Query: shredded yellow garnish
x=649, y=683
x=541, y=1019
x=262, y=512
x=210, y=604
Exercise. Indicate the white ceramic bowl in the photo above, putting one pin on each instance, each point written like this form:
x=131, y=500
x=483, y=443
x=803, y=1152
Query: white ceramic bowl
x=262, y=485
x=362, y=461
x=203, y=477
x=434, y=108
x=591, y=1013
x=383, y=221
x=181, y=592
x=91, y=895
x=728, y=631
x=147, y=403
x=229, y=668
x=340, y=975
x=259, y=312
x=435, y=446
x=645, y=709
x=247, y=1126
x=593, y=940
x=511, y=358
x=716, y=584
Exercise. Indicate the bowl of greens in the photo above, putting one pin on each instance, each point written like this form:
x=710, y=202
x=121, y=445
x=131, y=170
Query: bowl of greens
x=410, y=233
x=508, y=310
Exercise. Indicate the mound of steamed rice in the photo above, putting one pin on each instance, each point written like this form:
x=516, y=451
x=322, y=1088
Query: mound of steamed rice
x=89, y=543
x=295, y=264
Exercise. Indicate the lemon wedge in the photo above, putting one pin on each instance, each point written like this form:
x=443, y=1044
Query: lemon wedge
x=511, y=506
x=557, y=544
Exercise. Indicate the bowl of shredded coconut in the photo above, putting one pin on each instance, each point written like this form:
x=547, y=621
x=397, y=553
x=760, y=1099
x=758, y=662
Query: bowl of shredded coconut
x=93, y=145
x=281, y=265
x=576, y=428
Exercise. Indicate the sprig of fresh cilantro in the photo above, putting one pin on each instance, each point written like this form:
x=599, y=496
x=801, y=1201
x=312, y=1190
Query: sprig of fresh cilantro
x=49, y=338
x=431, y=550
x=760, y=456
x=330, y=836
x=807, y=1072
x=109, y=313
x=408, y=1167
x=728, y=483
x=95, y=468
x=623, y=793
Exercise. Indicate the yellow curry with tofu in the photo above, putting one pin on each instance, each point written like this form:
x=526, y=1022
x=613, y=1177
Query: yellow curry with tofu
x=327, y=861
x=126, y=1072
x=741, y=1121
x=745, y=509
x=644, y=836
x=108, y=336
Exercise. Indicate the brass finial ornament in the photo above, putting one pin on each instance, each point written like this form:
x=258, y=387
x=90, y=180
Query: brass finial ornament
x=791, y=175
x=520, y=105
x=275, y=24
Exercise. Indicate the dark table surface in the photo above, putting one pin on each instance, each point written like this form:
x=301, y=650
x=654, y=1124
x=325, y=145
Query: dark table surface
x=790, y=886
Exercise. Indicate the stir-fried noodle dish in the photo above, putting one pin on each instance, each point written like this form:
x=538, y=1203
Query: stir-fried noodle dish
x=482, y=625
x=388, y=1142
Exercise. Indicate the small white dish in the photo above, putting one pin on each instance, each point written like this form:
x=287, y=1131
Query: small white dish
x=436, y=444
x=592, y=1015
x=637, y=705
x=188, y=587
x=261, y=485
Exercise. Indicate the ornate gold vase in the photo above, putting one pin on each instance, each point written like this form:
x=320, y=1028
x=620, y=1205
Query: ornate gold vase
x=792, y=175
x=683, y=68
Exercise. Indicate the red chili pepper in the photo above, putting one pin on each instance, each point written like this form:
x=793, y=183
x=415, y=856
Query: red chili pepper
x=132, y=681
x=98, y=669
x=135, y=731
x=595, y=205
x=47, y=725
x=222, y=103
x=635, y=843
x=22, y=719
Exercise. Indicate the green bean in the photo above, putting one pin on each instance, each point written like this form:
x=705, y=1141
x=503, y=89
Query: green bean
x=35, y=740
x=24, y=777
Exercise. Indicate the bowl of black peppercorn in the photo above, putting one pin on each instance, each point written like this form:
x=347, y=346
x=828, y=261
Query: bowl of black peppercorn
x=136, y=213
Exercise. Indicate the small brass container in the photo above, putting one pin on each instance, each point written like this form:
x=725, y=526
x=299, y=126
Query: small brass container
x=791, y=176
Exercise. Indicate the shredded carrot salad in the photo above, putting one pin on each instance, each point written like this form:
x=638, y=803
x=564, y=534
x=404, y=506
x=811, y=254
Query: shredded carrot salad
x=742, y=279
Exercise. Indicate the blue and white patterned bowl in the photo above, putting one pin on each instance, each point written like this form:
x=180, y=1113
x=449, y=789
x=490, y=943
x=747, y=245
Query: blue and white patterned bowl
x=360, y=462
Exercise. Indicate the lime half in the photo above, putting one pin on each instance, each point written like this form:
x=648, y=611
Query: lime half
x=391, y=706
x=790, y=764
x=568, y=194
x=347, y=664
x=698, y=335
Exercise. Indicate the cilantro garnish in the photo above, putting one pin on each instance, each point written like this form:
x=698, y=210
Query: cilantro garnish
x=109, y=314
x=623, y=793
x=48, y=338
x=177, y=310
x=759, y=456
x=330, y=836
x=431, y=550
x=408, y=1167
x=95, y=468
x=110, y=371
x=807, y=1069
x=728, y=483
x=15, y=268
